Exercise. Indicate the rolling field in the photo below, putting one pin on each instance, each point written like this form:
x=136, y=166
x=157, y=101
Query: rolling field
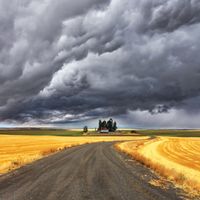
x=166, y=132
x=178, y=159
x=174, y=157
x=41, y=131
x=18, y=150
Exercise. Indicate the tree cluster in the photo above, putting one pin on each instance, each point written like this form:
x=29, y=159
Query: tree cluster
x=85, y=129
x=110, y=125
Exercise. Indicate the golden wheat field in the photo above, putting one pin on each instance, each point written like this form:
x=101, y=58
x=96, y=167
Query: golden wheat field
x=176, y=158
x=16, y=151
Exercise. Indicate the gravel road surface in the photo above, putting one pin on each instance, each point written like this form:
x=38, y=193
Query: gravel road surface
x=93, y=171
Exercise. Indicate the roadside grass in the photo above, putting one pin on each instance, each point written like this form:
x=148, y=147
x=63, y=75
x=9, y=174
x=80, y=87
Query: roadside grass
x=50, y=151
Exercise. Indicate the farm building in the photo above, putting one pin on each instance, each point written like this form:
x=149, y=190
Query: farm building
x=104, y=130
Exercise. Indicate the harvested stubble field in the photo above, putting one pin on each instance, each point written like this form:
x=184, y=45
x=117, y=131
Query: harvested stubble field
x=178, y=159
x=18, y=150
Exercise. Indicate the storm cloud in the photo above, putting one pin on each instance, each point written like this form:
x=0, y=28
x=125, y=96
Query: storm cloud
x=68, y=61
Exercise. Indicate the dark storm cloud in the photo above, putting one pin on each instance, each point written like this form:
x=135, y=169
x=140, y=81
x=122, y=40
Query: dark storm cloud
x=64, y=61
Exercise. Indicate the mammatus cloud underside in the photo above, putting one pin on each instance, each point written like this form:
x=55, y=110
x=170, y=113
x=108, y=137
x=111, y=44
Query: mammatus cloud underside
x=67, y=61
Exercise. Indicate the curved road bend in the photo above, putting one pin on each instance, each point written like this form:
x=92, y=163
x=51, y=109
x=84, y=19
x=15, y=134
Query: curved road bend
x=87, y=172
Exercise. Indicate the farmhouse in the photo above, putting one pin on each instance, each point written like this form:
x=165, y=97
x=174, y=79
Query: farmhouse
x=104, y=130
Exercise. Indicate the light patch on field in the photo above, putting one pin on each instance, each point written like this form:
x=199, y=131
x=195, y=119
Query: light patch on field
x=159, y=183
x=178, y=159
x=16, y=151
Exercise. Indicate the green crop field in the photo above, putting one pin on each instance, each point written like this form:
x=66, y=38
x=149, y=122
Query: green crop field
x=65, y=132
x=167, y=132
x=41, y=131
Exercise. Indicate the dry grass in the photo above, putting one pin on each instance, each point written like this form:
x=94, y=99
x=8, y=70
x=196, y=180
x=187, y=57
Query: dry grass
x=178, y=159
x=16, y=150
x=159, y=183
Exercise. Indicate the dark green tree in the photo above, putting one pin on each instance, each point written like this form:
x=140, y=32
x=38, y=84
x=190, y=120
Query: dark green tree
x=100, y=125
x=114, y=126
x=110, y=125
x=104, y=124
x=85, y=129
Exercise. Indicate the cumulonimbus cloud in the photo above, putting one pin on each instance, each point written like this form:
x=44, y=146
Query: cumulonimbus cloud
x=64, y=60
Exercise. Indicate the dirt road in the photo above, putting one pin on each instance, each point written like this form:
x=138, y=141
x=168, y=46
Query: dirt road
x=93, y=171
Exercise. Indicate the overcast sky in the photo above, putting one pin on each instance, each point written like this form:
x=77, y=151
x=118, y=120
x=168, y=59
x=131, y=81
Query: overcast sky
x=68, y=63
